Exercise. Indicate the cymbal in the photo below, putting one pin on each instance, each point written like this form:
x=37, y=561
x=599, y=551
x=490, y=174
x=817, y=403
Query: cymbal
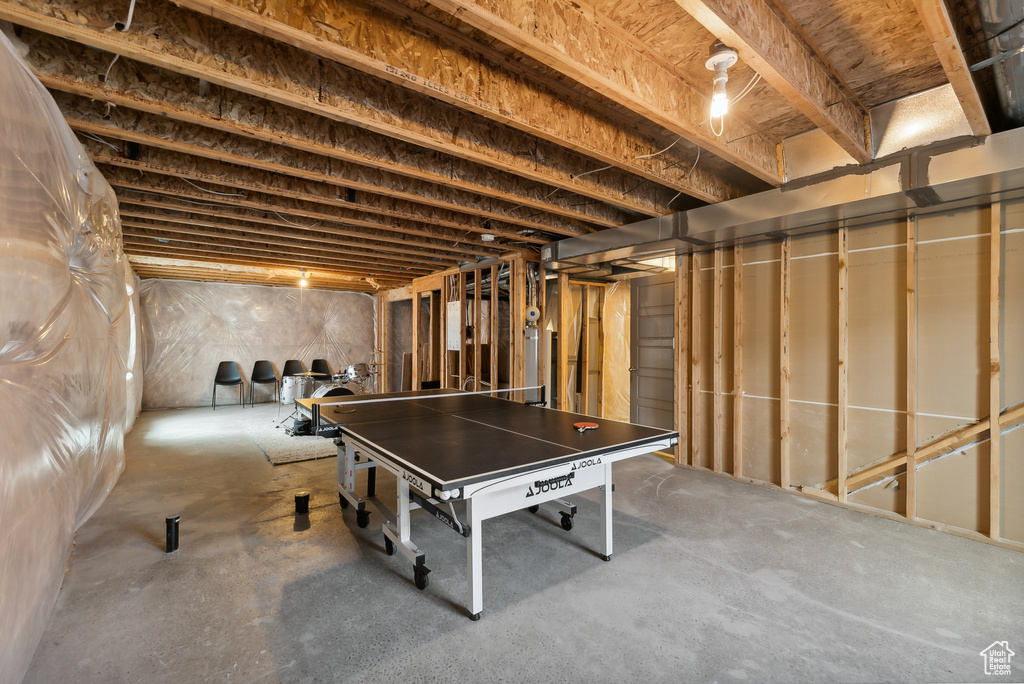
x=311, y=374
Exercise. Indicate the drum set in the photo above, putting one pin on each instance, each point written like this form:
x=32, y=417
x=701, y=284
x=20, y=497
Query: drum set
x=357, y=378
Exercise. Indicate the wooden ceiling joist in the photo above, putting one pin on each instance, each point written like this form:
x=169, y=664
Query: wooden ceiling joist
x=360, y=36
x=939, y=26
x=186, y=43
x=73, y=68
x=251, y=258
x=253, y=221
x=135, y=239
x=570, y=37
x=174, y=186
x=158, y=132
x=240, y=180
x=135, y=227
x=766, y=44
x=145, y=272
x=253, y=231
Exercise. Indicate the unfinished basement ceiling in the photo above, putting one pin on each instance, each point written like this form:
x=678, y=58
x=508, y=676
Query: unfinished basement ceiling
x=370, y=142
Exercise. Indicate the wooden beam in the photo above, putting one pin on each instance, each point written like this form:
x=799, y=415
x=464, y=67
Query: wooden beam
x=583, y=364
x=478, y=329
x=136, y=199
x=844, y=360
x=602, y=56
x=785, y=287
x=434, y=351
x=910, y=496
x=392, y=47
x=681, y=365
x=445, y=354
x=768, y=46
x=945, y=444
x=169, y=136
x=737, y=361
x=415, y=370
x=696, y=414
x=564, y=326
x=197, y=169
x=517, y=309
x=383, y=370
x=492, y=322
x=313, y=207
x=299, y=244
x=462, y=330
x=226, y=56
x=994, y=404
x=68, y=67
x=939, y=26
x=718, y=343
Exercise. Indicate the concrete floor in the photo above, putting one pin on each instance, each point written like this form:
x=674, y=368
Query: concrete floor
x=712, y=580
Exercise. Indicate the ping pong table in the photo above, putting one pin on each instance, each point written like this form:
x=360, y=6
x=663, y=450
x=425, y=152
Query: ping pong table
x=492, y=456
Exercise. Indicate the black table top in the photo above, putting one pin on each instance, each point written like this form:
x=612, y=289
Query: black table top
x=453, y=439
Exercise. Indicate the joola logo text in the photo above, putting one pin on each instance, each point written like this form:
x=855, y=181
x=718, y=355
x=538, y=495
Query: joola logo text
x=586, y=463
x=542, y=486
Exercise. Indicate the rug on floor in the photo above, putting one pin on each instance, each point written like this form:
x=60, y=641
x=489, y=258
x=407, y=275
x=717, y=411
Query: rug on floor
x=280, y=447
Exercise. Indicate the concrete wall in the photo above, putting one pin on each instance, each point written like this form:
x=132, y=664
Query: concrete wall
x=189, y=328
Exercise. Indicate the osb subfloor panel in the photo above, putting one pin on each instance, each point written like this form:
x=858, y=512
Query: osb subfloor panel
x=712, y=580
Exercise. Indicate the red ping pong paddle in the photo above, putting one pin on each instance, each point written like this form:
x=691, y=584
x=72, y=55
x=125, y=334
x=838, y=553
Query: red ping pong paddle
x=583, y=427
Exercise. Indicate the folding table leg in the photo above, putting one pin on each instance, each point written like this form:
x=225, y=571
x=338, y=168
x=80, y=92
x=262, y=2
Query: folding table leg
x=606, y=512
x=474, y=562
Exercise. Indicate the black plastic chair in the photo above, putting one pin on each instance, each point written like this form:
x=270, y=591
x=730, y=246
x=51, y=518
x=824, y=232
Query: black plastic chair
x=321, y=366
x=292, y=367
x=263, y=374
x=228, y=374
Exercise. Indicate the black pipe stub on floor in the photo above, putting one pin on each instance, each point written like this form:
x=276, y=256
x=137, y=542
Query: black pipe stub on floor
x=302, y=503
x=172, y=533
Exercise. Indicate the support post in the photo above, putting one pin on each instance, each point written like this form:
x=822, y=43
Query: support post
x=696, y=415
x=844, y=359
x=564, y=324
x=737, y=361
x=718, y=438
x=786, y=291
x=994, y=404
x=682, y=358
x=910, y=502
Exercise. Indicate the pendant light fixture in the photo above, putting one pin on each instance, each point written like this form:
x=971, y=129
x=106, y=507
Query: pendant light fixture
x=721, y=58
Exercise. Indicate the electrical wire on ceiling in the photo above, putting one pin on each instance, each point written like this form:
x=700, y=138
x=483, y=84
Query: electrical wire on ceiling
x=100, y=140
x=213, y=192
x=298, y=225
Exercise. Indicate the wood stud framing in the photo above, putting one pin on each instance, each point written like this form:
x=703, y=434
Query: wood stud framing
x=737, y=360
x=719, y=401
x=696, y=414
x=995, y=440
x=681, y=375
x=910, y=499
x=843, y=365
x=786, y=286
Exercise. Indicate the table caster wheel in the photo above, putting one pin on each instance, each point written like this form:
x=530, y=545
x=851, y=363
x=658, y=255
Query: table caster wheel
x=566, y=522
x=389, y=546
x=533, y=509
x=475, y=616
x=342, y=501
x=419, y=573
x=363, y=518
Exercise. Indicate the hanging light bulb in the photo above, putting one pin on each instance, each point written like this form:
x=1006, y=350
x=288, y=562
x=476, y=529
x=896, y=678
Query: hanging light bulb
x=721, y=58
x=303, y=282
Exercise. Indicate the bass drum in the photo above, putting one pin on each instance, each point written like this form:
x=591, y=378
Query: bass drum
x=332, y=391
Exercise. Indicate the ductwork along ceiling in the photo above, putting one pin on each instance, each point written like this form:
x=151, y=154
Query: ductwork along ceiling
x=370, y=142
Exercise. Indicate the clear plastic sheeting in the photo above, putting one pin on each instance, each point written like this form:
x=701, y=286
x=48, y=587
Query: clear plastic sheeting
x=68, y=384
x=191, y=327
